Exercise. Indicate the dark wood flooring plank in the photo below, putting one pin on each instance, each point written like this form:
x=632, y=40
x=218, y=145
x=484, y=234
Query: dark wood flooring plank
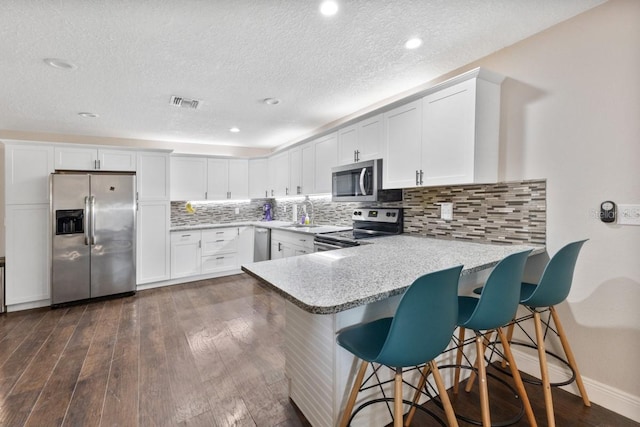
x=51, y=406
x=121, y=400
x=156, y=406
x=85, y=408
x=18, y=334
x=22, y=396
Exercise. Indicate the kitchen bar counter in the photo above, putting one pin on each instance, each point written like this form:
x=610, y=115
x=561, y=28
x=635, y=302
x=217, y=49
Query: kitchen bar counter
x=329, y=291
x=280, y=225
x=333, y=281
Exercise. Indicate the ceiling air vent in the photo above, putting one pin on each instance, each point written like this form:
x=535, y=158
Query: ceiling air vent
x=178, y=101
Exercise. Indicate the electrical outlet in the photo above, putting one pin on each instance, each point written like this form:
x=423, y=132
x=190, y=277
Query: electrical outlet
x=446, y=211
x=237, y=211
x=628, y=214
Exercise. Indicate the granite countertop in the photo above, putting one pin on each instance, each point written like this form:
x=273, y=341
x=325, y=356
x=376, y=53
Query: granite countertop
x=333, y=281
x=279, y=225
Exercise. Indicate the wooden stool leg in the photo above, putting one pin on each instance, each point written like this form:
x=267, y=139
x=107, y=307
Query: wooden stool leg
x=544, y=373
x=570, y=357
x=512, y=325
x=444, y=397
x=517, y=379
x=416, y=396
x=397, y=399
x=456, y=380
x=354, y=394
x=472, y=377
x=484, y=391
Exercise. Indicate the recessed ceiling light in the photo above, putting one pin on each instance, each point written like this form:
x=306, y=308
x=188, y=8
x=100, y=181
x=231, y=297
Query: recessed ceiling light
x=234, y=130
x=271, y=101
x=59, y=63
x=329, y=8
x=88, y=115
x=413, y=43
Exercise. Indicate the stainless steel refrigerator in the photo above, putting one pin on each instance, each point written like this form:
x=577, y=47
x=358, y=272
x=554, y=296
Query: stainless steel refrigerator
x=94, y=229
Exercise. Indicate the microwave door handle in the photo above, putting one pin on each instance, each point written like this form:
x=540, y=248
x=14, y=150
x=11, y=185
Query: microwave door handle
x=362, y=176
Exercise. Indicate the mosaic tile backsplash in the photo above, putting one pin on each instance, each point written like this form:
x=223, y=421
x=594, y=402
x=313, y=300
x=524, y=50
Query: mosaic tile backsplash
x=511, y=212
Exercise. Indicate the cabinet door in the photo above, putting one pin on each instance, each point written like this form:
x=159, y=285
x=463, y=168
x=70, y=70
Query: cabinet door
x=448, y=135
x=117, y=160
x=277, y=249
x=28, y=253
x=279, y=174
x=326, y=157
x=152, y=176
x=258, y=179
x=308, y=168
x=245, y=245
x=27, y=170
x=153, y=245
x=295, y=170
x=186, y=258
x=217, y=179
x=403, y=143
x=239, y=179
x=370, y=138
x=188, y=178
x=347, y=144
x=73, y=158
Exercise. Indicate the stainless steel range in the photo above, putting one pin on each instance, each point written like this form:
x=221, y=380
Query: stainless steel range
x=367, y=223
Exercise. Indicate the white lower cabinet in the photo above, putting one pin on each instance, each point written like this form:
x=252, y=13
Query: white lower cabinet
x=153, y=245
x=27, y=254
x=216, y=250
x=286, y=244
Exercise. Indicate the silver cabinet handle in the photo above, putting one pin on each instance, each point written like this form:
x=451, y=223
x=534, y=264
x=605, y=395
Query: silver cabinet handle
x=299, y=189
x=220, y=257
x=266, y=193
x=199, y=243
x=186, y=235
x=271, y=193
x=86, y=221
x=417, y=177
x=421, y=175
x=206, y=195
x=220, y=240
x=279, y=246
x=286, y=191
x=228, y=194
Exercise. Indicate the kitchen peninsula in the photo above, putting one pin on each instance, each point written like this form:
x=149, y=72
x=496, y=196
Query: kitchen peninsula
x=328, y=291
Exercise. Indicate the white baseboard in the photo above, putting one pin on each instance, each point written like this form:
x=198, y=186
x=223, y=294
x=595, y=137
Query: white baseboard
x=188, y=279
x=604, y=395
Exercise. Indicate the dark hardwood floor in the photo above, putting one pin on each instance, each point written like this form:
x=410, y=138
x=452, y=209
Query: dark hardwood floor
x=203, y=354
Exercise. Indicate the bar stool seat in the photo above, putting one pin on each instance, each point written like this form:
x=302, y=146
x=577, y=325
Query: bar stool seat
x=418, y=332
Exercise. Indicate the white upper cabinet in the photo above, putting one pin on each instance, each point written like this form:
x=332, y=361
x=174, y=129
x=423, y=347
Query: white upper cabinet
x=295, y=170
x=450, y=136
x=403, y=139
x=258, y=178
x=279, y=174
x=326, y=157
x=82, y=158
x=188, y=178
x=238, y=179
x=153, y=176
x=308, y=160
x=361, y=141
x=27, y=170
x=217, y=179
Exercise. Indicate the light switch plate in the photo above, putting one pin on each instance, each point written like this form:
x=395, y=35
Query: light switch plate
x=446, y=211
x=628, y=214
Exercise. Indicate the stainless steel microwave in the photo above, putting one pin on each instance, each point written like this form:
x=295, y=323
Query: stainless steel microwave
x=357, y=182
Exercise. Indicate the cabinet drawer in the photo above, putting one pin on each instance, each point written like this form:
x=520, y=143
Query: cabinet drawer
x=185, y=237
x=213, y=263
x=220, y=240
x=298, y=239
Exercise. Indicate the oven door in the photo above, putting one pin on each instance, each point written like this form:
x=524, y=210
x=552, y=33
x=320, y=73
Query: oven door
x=323, y=246
x=358, y=182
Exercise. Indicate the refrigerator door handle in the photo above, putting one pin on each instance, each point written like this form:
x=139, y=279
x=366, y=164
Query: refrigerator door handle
x=86, y=221
x=93, y=220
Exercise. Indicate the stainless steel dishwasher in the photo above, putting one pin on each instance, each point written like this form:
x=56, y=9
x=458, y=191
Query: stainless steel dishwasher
x=262, y=244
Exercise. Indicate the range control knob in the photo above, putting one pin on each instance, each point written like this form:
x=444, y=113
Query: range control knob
x=388, y=213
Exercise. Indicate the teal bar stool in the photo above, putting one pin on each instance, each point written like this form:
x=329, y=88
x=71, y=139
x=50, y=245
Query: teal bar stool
x=419, y=331
x=495, y=309
x=552, y=289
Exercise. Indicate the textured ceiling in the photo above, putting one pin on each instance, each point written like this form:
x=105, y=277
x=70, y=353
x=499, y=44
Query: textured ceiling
x=132, y=55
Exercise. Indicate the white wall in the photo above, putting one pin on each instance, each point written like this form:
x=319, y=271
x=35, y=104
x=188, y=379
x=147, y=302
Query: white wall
x=571, y=114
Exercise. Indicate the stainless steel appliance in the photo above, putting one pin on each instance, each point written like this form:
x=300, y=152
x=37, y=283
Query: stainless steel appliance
x=2, y=265
x=368, y=223
x=93, y=235
x=361, y=182
x=262, y=244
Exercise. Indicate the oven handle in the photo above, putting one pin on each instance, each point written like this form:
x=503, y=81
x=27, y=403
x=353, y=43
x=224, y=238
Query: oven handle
x=320, y=247
x=362, y=175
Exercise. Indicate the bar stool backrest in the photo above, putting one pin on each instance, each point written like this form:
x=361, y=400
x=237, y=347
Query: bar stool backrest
x=555, y=283
x=424, y=320
x=500, y=295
